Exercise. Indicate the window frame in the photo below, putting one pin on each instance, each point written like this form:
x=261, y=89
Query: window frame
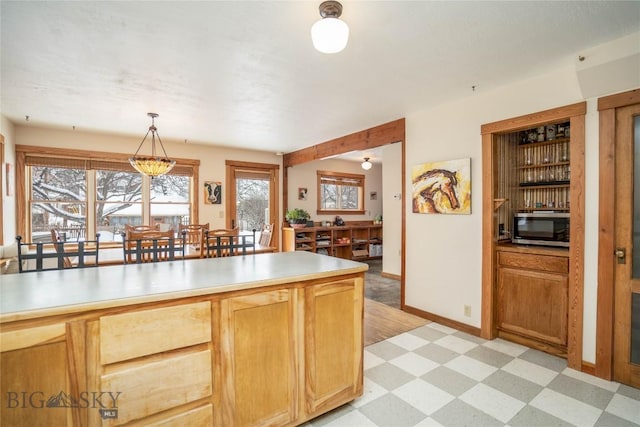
x=93, y=160
x=341, y=175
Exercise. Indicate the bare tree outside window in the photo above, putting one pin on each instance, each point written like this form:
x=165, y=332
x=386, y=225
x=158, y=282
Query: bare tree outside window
x=252, y=203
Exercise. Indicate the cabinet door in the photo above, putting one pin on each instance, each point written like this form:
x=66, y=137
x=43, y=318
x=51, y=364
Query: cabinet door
x=533, y=304
x=259, y=359
x=333, y=343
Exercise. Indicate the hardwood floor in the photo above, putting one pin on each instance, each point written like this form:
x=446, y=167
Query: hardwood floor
x=382, y=322
x=382, y=318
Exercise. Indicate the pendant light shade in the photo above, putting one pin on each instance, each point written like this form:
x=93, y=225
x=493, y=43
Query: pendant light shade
x=330, y=34
x=366, y=165
x=155, y=165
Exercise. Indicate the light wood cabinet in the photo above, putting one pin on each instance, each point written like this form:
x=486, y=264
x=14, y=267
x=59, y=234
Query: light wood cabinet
x=357, y=242
x=533, y=299
x=333, y=343
x=275, y=354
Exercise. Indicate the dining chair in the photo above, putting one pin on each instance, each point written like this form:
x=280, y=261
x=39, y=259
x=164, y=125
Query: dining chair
x=194, y=237
x=34, y=256
x=152, y=246
x=227, y=242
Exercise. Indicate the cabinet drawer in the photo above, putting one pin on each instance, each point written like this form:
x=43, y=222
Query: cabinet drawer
x=202, y=416
x=534, y=262
x=140, y=333
x=157, y=386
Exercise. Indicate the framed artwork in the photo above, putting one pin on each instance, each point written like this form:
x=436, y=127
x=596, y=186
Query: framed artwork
x=9, y=176
x=442, y=187
x=373, y=195
x=212, y=192
x=302, y=193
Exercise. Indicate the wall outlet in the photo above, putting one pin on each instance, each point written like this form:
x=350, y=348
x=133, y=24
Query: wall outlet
x=467, y=310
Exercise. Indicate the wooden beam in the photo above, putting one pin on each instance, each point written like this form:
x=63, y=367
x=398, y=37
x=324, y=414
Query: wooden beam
x=377, y=136
x=534, y=119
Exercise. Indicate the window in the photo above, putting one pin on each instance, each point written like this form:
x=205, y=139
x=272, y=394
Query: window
x=81, y=196
x=340, y=193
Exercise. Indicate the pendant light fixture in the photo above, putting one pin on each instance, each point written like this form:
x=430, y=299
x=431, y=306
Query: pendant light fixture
x=152, y=166
x=366, y=165
x=330, y=34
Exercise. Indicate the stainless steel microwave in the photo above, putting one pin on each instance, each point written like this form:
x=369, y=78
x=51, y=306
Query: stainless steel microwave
x=541, y=228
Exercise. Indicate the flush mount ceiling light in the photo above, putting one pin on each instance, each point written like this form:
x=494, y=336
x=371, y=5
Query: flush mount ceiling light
x=366, y=165
x=330, y=35
x=152, y=166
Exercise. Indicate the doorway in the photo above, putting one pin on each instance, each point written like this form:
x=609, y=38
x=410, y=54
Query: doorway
x=618, y=322
x=252, y=196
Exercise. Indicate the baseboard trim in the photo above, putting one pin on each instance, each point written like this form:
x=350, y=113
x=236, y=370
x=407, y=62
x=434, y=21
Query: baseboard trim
x=442, y=320
x=390, y=276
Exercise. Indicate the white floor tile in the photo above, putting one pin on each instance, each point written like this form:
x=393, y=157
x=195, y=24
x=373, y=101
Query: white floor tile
x=456, y=344
x=510, y=348
x=408, y=341
x=624, y=407
x=598, y=382
x=352, y=419
x=371, y=360
x=423, y=396
x=530, y=371
x=471, y=367
x=442, y=328
x=566, y=408
x=414, y=364
x=370, y=391
x=492, y=402
x=429, y=422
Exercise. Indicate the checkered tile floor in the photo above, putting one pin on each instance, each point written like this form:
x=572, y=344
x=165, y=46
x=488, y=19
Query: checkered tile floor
x=437, y=376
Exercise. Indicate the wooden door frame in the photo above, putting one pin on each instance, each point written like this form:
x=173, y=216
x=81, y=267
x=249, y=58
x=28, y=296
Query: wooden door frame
x=384, y=134
x=2, y=189
x=606, y=228
x=576, y=114
x=274, y=202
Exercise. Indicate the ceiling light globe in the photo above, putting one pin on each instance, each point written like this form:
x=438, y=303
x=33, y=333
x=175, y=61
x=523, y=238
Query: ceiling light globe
x=330, y=35
x=366, y=165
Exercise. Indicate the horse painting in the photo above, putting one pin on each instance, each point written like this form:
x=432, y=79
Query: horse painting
x=440, y=189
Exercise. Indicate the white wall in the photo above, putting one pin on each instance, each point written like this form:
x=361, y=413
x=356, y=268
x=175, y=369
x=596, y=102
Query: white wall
x=392, y=209
x=212, y=158
x=305, y=176
x=7, y=129
x=444, y=252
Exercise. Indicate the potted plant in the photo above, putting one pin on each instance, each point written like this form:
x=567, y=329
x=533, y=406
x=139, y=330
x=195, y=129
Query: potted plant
x=297, y=217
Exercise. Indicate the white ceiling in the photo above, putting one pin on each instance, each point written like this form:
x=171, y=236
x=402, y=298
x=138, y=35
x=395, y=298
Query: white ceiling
x=245, y=74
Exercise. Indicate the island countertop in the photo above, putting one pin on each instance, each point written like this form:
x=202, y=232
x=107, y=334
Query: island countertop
x=38, y=294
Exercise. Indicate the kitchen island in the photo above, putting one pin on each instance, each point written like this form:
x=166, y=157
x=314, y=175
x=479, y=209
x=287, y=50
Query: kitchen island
x=268, y=339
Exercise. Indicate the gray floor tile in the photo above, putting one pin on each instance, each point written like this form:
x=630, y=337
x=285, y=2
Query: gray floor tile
x=449, y=380
x=427, y=333
x=470, y=337
x=587, y=393
x=436, y=353
x=386, y=350
x=390, y=410
x=610, y=420
x=554, y=363
x=489, y=356
x=513, y=385
x=388, y=376
x=458, y=413
x=633, y=393
x=532, y=417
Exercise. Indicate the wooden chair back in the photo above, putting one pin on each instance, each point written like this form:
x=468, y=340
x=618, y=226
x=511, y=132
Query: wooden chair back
x=151, y=246
x=56, y=238
x=227, y=242
x=128, y=228
x=266, y=234
x=84, y=254
x=194, y=236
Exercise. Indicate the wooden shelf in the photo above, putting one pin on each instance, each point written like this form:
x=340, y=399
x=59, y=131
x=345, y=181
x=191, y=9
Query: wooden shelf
x=363, y=241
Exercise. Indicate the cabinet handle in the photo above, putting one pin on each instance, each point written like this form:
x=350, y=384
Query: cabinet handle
x=621, y=254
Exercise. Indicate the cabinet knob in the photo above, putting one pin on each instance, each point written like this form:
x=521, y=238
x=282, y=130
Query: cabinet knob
x=621, y=254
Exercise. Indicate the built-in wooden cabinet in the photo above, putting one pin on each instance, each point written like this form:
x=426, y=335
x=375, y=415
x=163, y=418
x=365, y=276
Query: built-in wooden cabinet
x=357, y=242
x=532, y=305
x=534, y=164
